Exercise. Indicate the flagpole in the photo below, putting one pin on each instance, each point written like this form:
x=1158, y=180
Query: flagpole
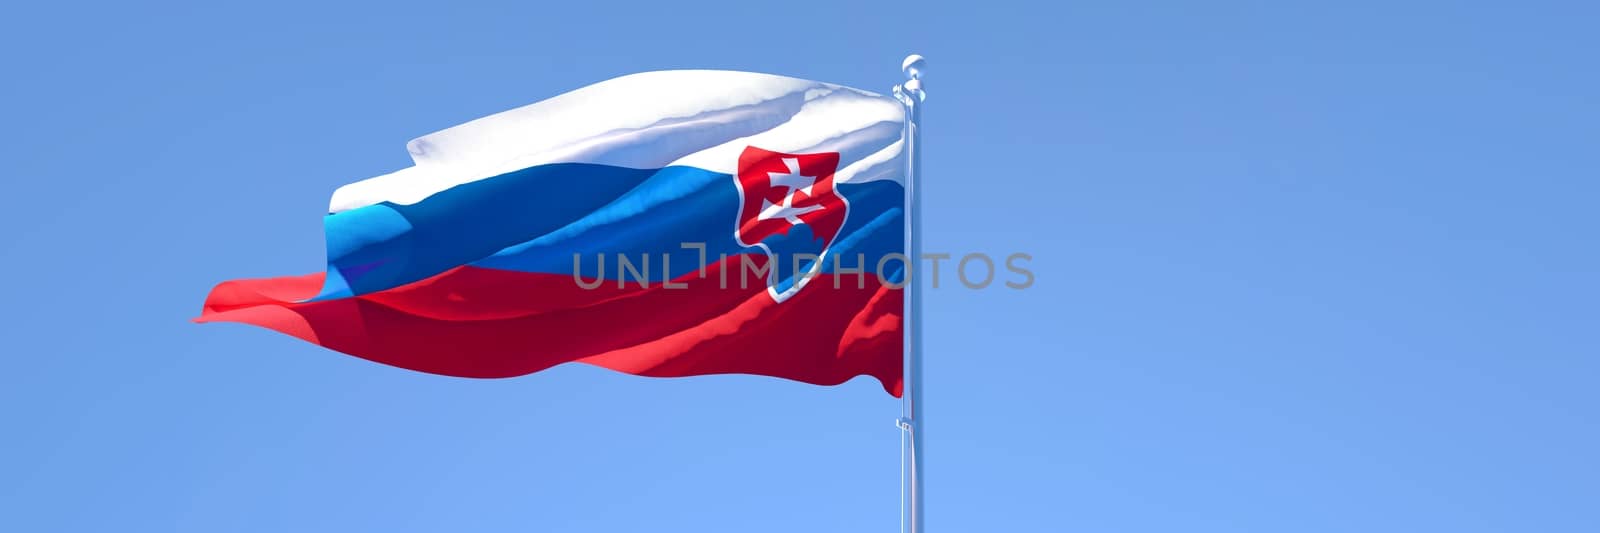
x=912, y=413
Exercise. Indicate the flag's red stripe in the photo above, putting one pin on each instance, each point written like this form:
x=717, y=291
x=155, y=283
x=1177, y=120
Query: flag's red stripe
x=488, y=323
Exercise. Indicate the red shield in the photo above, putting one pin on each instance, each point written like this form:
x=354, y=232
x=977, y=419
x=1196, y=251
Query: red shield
x=780, y=192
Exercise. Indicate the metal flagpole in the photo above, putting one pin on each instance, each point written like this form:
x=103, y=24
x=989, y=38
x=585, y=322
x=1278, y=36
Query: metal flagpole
x=912, y=414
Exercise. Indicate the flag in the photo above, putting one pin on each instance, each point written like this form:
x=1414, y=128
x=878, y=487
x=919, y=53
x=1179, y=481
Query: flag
x=671, y=223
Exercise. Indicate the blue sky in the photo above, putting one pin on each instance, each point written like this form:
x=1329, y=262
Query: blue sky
x=1318, y=267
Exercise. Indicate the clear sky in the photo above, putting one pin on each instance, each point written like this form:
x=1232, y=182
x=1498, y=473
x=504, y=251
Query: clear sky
x=1321, y=267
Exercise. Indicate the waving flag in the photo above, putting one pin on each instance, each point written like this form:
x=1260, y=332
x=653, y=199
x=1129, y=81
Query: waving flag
x=669, y=223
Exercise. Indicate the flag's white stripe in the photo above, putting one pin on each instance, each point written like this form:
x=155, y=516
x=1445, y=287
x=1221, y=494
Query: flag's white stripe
x=884, y=164
x=652, y=120
x=855, y=124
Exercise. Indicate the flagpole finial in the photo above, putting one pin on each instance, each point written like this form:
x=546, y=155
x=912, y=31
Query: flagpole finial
x=914, y=66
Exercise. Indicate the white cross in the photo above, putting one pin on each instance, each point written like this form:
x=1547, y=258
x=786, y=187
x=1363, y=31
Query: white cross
x=793, y=181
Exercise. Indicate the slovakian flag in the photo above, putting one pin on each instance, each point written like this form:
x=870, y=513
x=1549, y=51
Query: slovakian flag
x=671, y=223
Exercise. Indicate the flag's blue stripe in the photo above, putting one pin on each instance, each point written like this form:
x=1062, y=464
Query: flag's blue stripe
x=386, y=245
x=679, y=210
x=534, y=220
